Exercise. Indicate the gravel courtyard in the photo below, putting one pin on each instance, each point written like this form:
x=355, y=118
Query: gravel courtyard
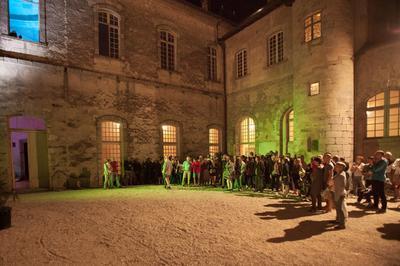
x=151, y=226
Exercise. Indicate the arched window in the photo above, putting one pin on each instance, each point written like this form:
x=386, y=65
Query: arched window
x=111, y=140
x=247, y=136
x=290, y=126
x=170, y=140
x=167, y=50
x=109, y=31
x=213, y=140
x=383, y=114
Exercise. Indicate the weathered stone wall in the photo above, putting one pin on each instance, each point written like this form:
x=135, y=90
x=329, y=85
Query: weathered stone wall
x=265, y=94
x=378, y=70
x=72, y=87
x=268, y=92
x=327, y=118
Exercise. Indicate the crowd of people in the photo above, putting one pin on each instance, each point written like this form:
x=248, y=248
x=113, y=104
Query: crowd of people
x=326, y=178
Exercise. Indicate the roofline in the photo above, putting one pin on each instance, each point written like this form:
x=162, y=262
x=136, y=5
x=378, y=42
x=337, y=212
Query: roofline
x=186, y=3
x=259, y=14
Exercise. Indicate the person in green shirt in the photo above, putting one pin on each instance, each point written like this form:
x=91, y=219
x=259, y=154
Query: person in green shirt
x=186, y=171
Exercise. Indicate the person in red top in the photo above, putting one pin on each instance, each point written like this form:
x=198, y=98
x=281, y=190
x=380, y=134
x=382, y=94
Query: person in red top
x=196, y=170
x=114, y=173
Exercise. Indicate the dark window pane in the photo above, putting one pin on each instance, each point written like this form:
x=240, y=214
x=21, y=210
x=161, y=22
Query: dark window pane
x=104, y=45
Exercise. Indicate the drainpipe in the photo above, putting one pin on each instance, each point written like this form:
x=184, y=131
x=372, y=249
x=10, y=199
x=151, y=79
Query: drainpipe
x=225, y=143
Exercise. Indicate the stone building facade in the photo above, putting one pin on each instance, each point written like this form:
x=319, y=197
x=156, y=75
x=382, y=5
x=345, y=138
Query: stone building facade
x=353, y=59
x=63, y=81
x=62, y=95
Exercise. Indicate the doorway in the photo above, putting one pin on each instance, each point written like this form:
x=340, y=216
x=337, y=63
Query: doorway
x=29, y=153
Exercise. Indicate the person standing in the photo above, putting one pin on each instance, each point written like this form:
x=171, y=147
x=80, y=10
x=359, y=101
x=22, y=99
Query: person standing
x=196, y=170
x=357, y=177
x=328, y=176
x=186, y=171
x=259, y=173
x=106, y=173
x=339, y=187
x=317, y=180
x=242, y=171
x=229, y=173
x=114, y=174
x=167, y=171
x=378, y=181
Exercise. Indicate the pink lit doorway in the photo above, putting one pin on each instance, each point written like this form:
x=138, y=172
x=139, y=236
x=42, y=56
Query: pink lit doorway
x=29, y=153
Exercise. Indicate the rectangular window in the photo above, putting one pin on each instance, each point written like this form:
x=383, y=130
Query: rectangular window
x=312, y=27
x=213, y=140
x=24, y=19
x=241, y=63
x=111, y=141
x=314, y=89
x=275, y=49
x=108, y=34
x=212, y=63
x=167, y=50
x=169, y=140
x=375, y=123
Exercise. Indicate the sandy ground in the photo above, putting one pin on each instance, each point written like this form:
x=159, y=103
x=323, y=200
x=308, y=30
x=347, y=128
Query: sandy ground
x=151, y=226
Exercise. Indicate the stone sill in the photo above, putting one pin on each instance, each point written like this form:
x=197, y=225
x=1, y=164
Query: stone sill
x=21, y=41
x=383, y=139
x=314, y=42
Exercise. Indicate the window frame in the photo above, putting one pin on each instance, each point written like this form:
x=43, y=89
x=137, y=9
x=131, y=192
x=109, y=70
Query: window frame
x=175, y=50
x=385, y=108
x=249, y=135
x=177, y=140
x=109, y=13
x=311, y=26
x=276, y=55
x=290, y=136
x=310, y=89
x=5, y=22
x=212, y=63
x=219, y=138
x=242, y=65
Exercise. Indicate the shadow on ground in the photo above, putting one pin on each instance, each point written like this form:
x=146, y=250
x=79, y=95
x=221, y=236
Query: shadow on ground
x=286, y=210
x=390, y=231
x=303, y=230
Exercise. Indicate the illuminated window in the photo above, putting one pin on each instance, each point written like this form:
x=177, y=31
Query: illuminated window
x=170, y=143
x=394, y=113
x=167, y=50
x=275, y=48
x=314, y=88
x=312, y=27
x=111, y=141
x=108, y=34
x=290, y=127
x=213, y=136
x=212, y=63
x=383, y=114
x=247, y=136
x=241, y=63
x=24, y=19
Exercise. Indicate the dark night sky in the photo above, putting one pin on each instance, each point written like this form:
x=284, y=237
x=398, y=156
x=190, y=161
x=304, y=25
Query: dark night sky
x=235, y=10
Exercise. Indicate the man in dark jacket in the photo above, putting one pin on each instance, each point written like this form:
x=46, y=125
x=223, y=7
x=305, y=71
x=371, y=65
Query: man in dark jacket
x=378, y=181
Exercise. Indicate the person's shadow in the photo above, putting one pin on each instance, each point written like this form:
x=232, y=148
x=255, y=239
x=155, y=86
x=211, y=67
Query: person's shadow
x=286, y=210
x=390, y=231
x=304, y=230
